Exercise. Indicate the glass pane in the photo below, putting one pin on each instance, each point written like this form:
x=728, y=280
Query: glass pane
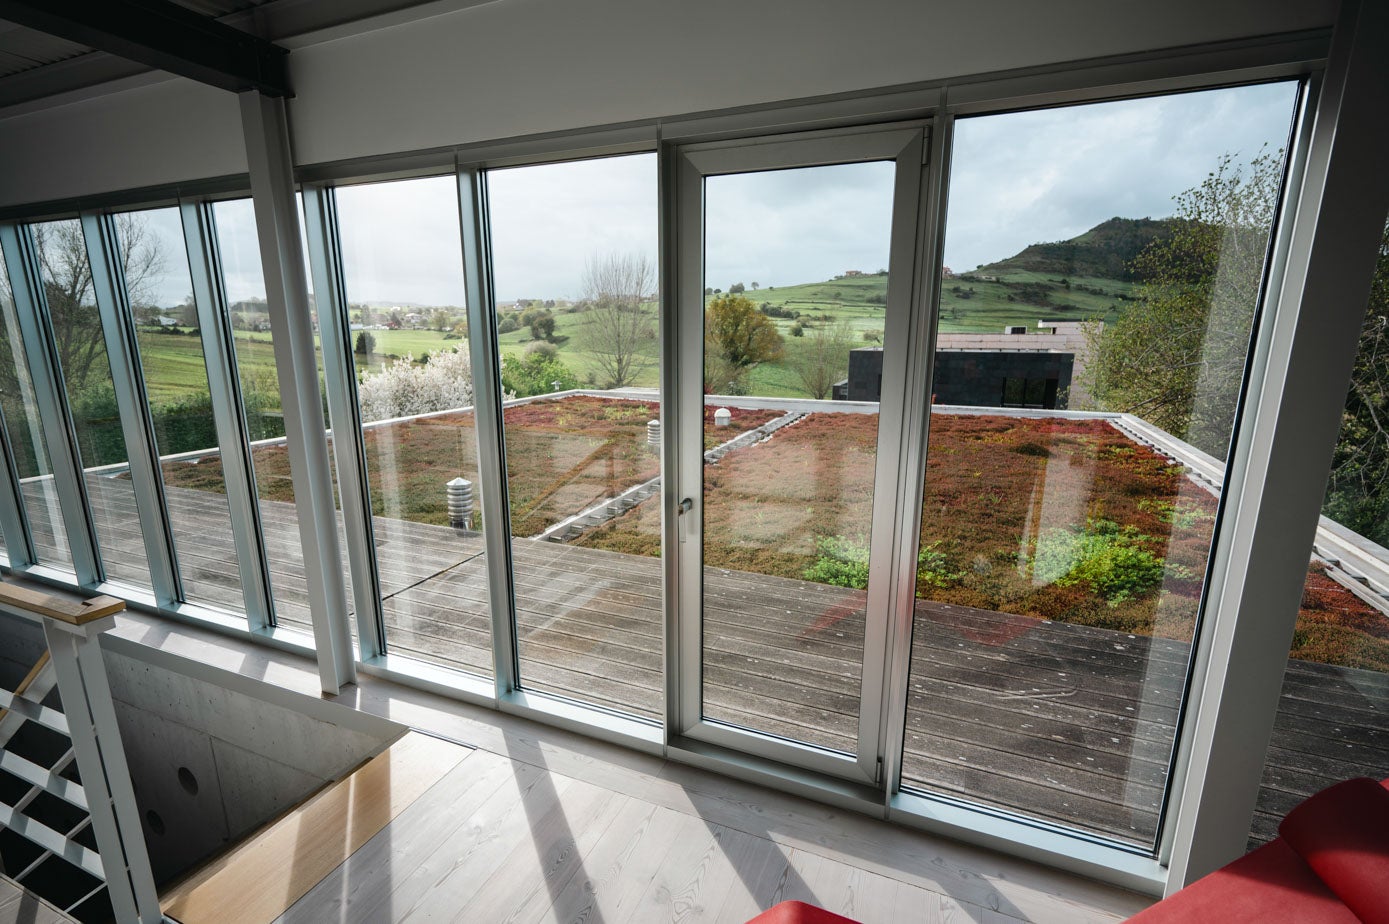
x=171, y=357
x=1333, y=717
x=67, y=282
x=24, y=428
x=402, y=259
x=260, y=399
x=796, y=285
x=1062, y=556
x=574, y=255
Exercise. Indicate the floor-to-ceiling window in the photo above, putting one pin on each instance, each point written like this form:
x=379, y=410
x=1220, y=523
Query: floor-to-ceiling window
x=1102, y=268
x=170, y=345
x=244, y=286
x=408, y=332
x=1102, y=273
x=25, y=432
x=81, y=348
x=574, y=273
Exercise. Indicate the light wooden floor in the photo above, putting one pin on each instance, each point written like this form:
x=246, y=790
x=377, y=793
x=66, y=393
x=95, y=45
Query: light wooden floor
x=503, y=839
x=546, y=822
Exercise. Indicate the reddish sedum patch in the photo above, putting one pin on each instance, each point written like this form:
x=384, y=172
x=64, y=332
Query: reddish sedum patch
x=995, y=486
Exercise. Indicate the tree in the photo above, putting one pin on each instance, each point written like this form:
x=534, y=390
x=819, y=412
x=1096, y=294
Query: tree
x=619, y=332
x=737, y=337
x=543, y=326
x=1175, y=355
x=187, y=314
x=736, y=289
x=821, y=358
x=405, y=388
x=366, y=344
x=1357, y=495
x=67, y=283
x=741, y=332
x=439, y=320
x=536, y=374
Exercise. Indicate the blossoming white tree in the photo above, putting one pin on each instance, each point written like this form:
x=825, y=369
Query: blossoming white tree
x=403, y=389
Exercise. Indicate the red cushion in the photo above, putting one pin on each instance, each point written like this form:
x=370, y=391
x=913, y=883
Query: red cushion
x=799, y=913
x=1270, y=884
x=1342, y=834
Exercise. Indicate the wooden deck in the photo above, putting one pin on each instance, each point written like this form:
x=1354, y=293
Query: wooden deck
x=1066, y=723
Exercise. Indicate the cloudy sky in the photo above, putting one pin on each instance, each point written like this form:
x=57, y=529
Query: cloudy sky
x=1016, y=179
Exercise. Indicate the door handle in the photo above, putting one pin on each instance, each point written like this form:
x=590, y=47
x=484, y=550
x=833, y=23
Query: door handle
x=685, y=506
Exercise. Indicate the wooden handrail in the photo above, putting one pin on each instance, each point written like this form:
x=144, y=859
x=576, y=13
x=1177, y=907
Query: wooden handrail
x=63, y=609
x=29, y=679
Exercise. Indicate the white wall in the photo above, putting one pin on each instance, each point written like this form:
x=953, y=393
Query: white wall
x=519, y=67
x=243, y=759
x=169, y=132
x=527, y=66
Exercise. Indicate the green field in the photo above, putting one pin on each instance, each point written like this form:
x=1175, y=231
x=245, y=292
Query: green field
x=174, y=366
x=1076, y=280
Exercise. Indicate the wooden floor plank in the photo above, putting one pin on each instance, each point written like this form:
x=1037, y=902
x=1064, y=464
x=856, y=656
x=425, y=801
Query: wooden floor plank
x=261, y=878
x=450, y=878
x=679, y=881
x=601, y=870
x=537, y=870
x=360, y=888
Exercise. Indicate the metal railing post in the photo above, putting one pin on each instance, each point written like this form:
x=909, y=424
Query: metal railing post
x=75, y=649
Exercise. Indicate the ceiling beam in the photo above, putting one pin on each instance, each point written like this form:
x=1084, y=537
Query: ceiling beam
x=162, y=35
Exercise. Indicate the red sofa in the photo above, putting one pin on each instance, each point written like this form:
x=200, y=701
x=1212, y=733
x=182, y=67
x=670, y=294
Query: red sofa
x=799, y=913
x=1329, y=865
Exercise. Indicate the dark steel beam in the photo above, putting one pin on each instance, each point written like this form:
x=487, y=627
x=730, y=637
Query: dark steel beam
x=162, y=35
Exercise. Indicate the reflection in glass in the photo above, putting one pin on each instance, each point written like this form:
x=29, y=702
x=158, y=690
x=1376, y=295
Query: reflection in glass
x=176, y=386
x=1333, y=717
x=574, y=255
x=796, y=291
x=402, y=260
x=1062, y=556
x=24, y=428
x=81, y=347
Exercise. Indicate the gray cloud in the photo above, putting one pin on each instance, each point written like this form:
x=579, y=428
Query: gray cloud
x=1016, y=179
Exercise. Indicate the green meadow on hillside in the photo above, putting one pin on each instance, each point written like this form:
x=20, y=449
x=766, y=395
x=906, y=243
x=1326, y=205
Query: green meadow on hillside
x=1079, y=279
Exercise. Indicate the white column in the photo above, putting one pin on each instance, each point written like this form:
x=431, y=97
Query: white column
x=1283, y=454
x=287, y=294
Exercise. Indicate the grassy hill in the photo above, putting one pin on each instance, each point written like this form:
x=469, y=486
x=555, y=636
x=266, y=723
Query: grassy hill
x=1104, y=252
x=1078, y=279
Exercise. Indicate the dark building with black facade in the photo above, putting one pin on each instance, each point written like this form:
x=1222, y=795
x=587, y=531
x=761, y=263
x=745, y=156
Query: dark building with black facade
x=976, y=378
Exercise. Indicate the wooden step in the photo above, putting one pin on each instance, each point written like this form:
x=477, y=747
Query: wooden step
x=260, y=878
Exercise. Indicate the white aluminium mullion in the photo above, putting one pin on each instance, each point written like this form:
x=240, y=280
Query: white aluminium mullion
x=349, y=449
x=286, y=289
x=914, y=438
x=1285, y=447
x=229, y=418
x=487, y=416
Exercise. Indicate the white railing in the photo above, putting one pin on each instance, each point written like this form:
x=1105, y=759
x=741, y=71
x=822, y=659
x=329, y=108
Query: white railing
x=87, y=718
